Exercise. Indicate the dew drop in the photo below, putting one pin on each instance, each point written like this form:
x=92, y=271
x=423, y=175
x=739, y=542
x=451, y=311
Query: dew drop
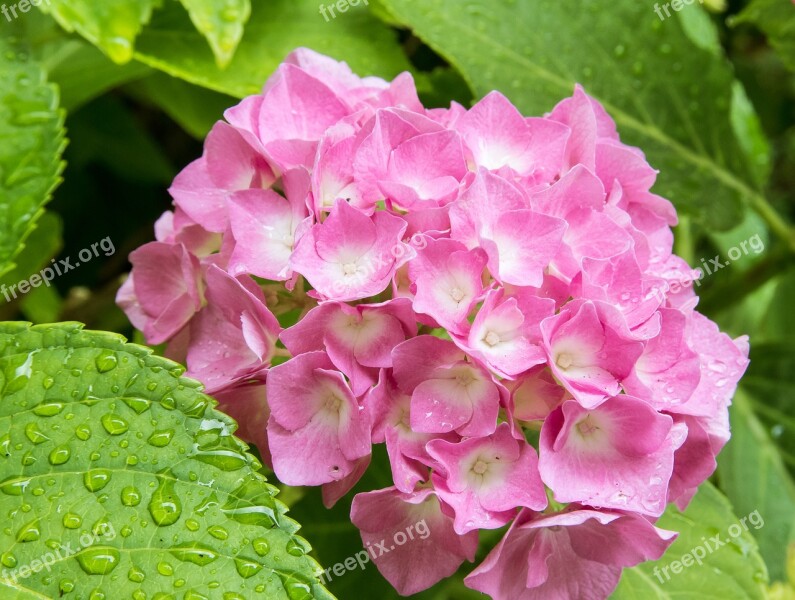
x=130, y=496
x=247, y=567
x=34, y=434
x=139, y=405
x=8, y=560
x=83, y=432
x=59, y=455
x=294, y=548
x=165, y=507
x=192, y=524
x=195, y=553
x=96, y=479
x=72, y=521
x=48, y=410
x=106, y=361
x=165, y=569
x=30, y=532
x=162, y=438
x=14, y=486
x=98, y=560
x=261, y=546
x=218, y=532
x=297, y=586
x=114, y=424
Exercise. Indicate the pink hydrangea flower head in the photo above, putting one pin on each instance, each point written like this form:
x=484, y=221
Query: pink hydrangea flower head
x=493, y=296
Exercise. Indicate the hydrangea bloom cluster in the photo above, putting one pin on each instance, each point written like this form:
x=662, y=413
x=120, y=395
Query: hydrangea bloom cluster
x=485, y=293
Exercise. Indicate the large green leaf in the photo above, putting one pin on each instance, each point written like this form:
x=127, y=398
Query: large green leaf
x=734, y=570
x=221, y=22
x=754, y=477
x=276, y=27
x=776, y=18
x=31, y=144
x=669, y=95
x=114, y=460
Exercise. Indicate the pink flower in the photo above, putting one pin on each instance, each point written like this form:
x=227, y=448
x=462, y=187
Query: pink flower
x=535, y=394
x=267, y=227
x=350, y=255
x=578, y=553
x=164, y=290
x=317, y=429
x=484, y=479
x=358, y=339
x=587, y=357
x=233, y=336
x=447, y=281
x=448, y=392
x=600, y=457
x=430, y=550
x=505, y=333
x=390, y=408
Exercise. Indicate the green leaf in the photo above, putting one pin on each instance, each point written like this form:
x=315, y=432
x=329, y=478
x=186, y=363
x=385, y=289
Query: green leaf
x=750, y=135
x=112, y=25
x=31, y=145
x=734, y=570
x=194, y=108
x=776, y=18
x=668, y=96
x=43, y=244
x=221, y=22
x=80, y=70
x=113, y=459
x=84, y=73
x=275, y=28
x=753, y=476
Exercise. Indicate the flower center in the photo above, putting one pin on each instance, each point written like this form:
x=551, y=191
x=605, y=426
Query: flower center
x=333, y=403
x=564, y=360
x=349, y=268
x=492, y=338
x=456, y=294
x=586, y=428
x=480, y=467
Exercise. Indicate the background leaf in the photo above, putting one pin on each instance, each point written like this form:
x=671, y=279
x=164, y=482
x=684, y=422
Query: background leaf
x=221, y=22
x=103, y=438
x=777, y=19
x=31, y=144
x=735, y=570
x=171, y=44
x=753, y=476
x=112, y=25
